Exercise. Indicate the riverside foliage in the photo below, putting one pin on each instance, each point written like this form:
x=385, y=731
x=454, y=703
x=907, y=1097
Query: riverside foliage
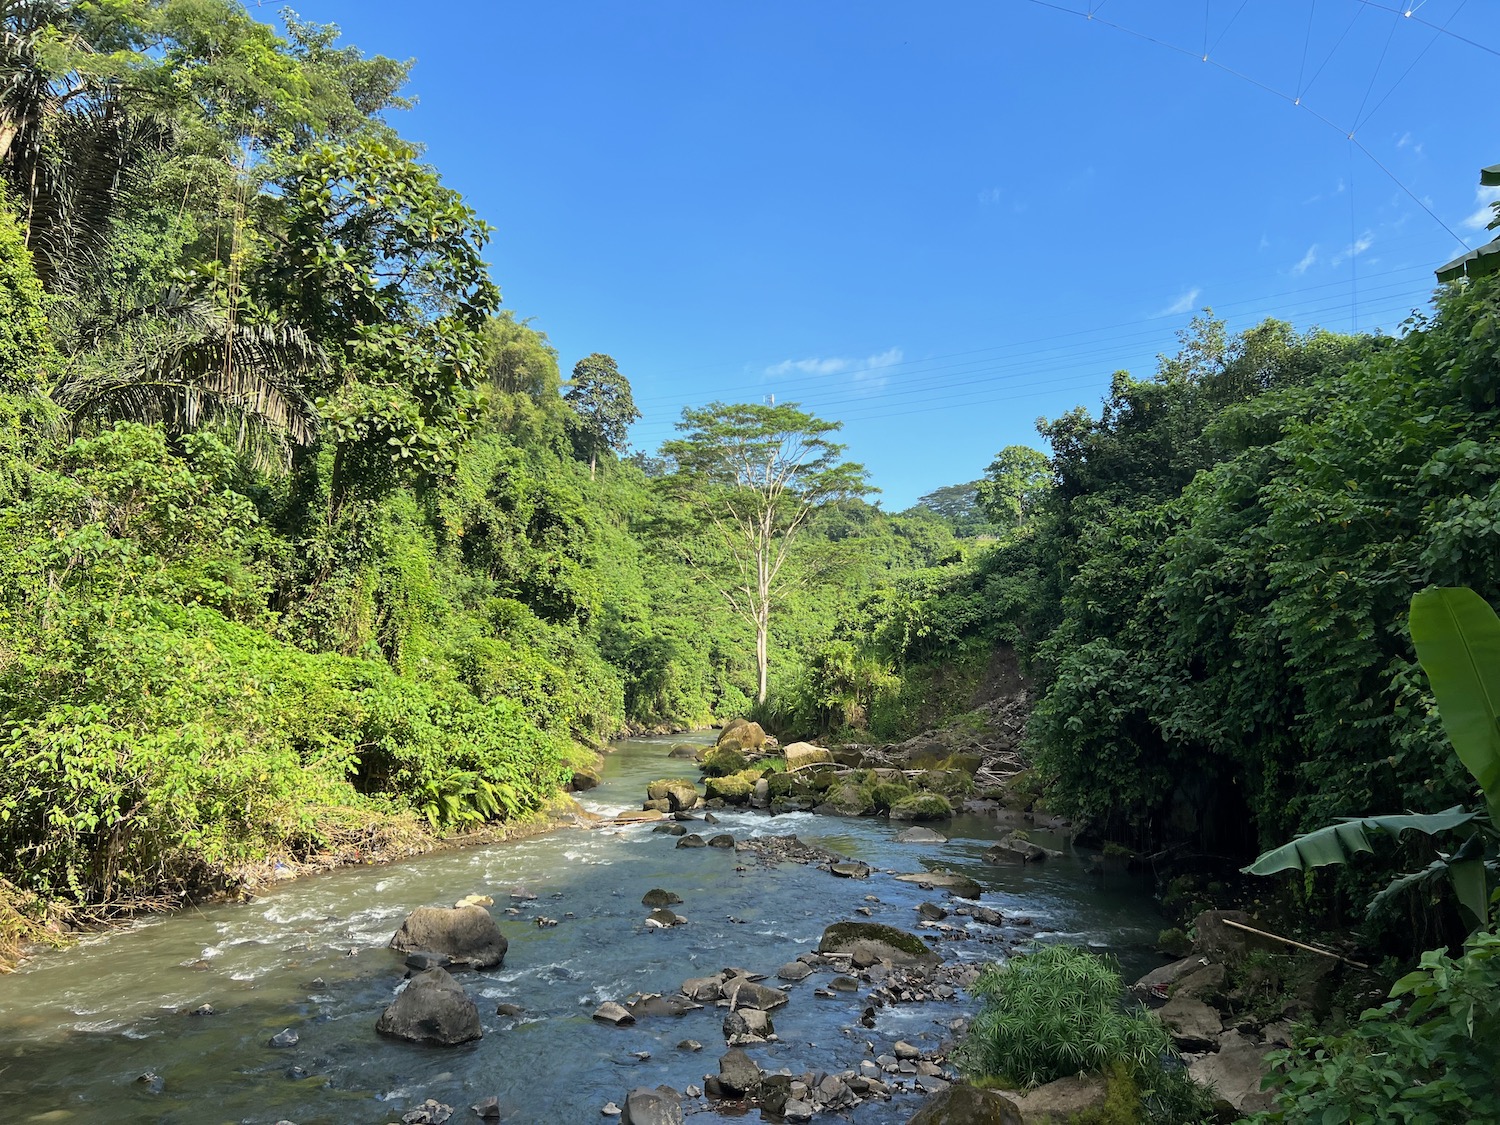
x=303, y=542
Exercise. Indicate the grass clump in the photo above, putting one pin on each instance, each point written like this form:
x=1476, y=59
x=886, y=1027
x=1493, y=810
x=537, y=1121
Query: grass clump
x=1057, y=1012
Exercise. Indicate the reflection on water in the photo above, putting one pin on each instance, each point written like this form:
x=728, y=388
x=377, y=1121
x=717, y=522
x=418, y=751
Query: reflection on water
x=81, y=1028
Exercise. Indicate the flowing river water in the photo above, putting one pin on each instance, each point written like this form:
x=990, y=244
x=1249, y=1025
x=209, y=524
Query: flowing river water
x=101, y=1032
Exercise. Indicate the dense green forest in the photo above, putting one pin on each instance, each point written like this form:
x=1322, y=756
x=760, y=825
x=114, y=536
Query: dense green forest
x=1210, y=590
x=306, y=539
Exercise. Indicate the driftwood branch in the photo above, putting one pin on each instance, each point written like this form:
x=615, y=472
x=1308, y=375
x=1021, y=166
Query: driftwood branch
x=1298, y=944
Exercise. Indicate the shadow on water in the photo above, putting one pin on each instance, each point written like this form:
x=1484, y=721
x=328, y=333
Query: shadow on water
x=81, y=1026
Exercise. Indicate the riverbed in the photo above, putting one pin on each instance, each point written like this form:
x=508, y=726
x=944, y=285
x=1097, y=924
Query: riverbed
x=104, y=1031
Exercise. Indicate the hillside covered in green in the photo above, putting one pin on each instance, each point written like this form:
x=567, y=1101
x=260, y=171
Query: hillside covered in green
x=306, y=540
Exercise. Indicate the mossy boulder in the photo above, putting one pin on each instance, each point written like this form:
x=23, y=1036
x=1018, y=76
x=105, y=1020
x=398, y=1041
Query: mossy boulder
x=967, y=1105
x=950, y=783
x=846, y=799
x=686, y=752
x=735, y=789
x=723, y=761
x=922, y=806
x=884, y=794
x=885, y=943
x=678, y=793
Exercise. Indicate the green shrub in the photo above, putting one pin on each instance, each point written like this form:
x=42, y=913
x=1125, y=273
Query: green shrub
x=1430, y=1055
x=723, y=762
x=1053, y=1013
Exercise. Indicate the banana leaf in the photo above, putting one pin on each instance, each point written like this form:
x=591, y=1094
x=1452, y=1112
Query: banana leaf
x=1340, y=842
x=1457, y=637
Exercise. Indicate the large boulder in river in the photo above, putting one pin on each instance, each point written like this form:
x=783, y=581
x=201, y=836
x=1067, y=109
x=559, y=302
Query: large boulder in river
x=742, y=734
x=432, y=1008
x=685, y=751
x=967, y=1105
x=846, y=799
x=661, y=1106
x=922, y=806
x=679, y=794
x=876, y=941
x=465, y=935
x=800, y=754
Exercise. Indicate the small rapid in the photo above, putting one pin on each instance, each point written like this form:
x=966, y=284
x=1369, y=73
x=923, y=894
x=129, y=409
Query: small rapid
x=105, y=1030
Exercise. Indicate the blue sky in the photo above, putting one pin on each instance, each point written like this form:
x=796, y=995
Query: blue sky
x=938, y=222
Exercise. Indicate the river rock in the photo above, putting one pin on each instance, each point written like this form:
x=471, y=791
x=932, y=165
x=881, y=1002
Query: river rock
x=692, y=840
x=287, y=1037
x=584, y=779
x=1063, y=1100
x=922, y=806
x=986, y=915
x=748, y=1025
x=967, y=1105
x=430, y=1112
x=663, y=917
x=744, y=734
x=631, y=816
x=1193, y=1024
x=738, y=1074
x=853, y=870
x=744, y=993
x=1017, y=849
x=663, y=1006
x=617, y=1014
x=931, y=912
x=657, y=897
x=917, y=834
x=658, y=805
x=679, y=794
x=960, y=885
x=794, y=971
x=722, y=840
x=669, y=830
x=488, y=1109
x=845, y=799
x=707, y=989
x=432, y=1008
x=1204, y=983
x=1158, y=981
x=514, y=1011
x=466, y=935
x=885, y=943
x=661, y=1106
x=1234, y=1073
x=685, y=751
x=800, y=754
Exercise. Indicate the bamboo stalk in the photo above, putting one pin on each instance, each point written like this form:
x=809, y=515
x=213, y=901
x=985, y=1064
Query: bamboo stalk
x=1298, y=944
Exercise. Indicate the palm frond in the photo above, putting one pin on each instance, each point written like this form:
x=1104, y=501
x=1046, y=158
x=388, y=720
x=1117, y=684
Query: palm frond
x=203, y=368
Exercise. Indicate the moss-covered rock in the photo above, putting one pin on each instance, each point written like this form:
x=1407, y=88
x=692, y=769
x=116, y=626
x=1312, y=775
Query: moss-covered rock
x=950, y=783
x=723, y=762
x=846, y=799
x=884, y=794
x=885, y=942
x=735, y=789
x=922, y=806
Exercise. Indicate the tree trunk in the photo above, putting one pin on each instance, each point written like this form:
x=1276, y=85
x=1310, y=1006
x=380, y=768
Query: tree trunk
x=761, y=628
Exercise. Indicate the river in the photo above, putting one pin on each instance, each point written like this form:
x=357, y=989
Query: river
x=102, y=1031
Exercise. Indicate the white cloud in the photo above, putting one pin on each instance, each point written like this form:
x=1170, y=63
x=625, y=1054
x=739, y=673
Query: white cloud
x=989, y=197
x=867, y=371
x=1308, y=260
x=1183, y=304
x=1265, y=243
x=1404, y=141
x=1354, y=249
x=1481, y=218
